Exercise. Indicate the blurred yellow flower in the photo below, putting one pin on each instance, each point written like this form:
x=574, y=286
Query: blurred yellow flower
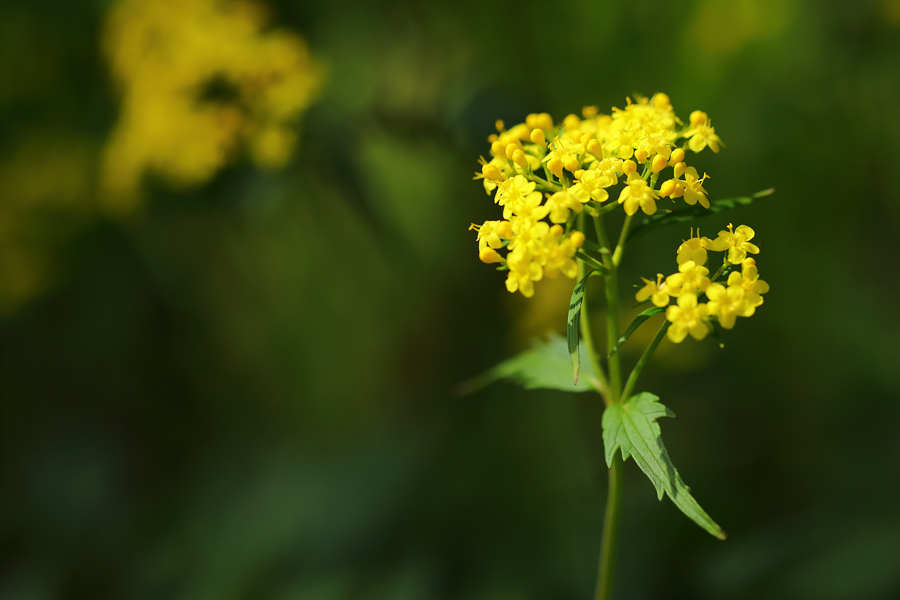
x=196, y=78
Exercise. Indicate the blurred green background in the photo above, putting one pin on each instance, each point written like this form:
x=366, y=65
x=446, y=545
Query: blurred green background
x=244, y=388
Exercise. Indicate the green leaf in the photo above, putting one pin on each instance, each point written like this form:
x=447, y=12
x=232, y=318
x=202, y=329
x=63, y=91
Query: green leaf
x=592, y=262
x=573, y=324
x=545, y=365
x=681, y=215
x=632, y=428
x=638, y=321
x=591, y=246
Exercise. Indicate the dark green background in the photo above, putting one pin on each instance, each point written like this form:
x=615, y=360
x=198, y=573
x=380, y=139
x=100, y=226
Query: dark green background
x=246, y=390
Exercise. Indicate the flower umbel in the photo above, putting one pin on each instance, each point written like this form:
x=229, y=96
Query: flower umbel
x=739, y=297
x=543, y=172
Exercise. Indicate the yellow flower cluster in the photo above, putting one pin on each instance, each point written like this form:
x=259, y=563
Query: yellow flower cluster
x=738, y=298
x=544, y=170
x=196, y=77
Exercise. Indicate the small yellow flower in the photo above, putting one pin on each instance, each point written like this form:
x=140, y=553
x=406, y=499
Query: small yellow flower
x=527, y=232
x=690, y=279
x=693, y=188
x=749, y=280
x=488, y=234
x=638, y=194
x=702, y=136
x=737, y=242
x=693, y=249
x=655, y=290
x=686, y=317
x=560, y=204
x=557, y=255
x=623, y=143
x=659, y=143
x=590, y=186
x=566, y=152
x=523, y=272
x=610, y=168
x=727, y=303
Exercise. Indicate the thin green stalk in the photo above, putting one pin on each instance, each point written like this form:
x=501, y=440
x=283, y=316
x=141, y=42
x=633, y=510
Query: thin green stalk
x=642, y=362
x=612, y=313
x=620, y=247
x=614, y=493
x=610, y=531
x=588, y=336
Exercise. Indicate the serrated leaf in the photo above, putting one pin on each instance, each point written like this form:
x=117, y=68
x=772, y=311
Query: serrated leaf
x=546, y=365
x=573, y=324
x=638, y=321
x=681, y=215
x=631, y=428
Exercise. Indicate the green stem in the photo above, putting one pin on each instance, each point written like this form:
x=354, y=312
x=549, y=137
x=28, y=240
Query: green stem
x=614, y=494
x=612, y=314
x=608, y=208
x=645, y=358
x=548, y=185
x=610, y=531
x=620, y=247
x=588, y=336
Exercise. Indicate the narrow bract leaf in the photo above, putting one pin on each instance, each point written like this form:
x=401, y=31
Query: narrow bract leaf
x=690, y=213
x=592, y=246
x=638, y=321
x=546, y=365
x=573, y=324
x=632, y=428
x=592, y=262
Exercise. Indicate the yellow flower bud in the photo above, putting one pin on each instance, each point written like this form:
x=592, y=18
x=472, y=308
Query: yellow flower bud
x=489, y=255
x=571, y=122
x=577, y=135
x=510, y=149
x=556, y=230
x=589, y=111
x=504, y=229
x=680, y=169
x=677, y=156
x=577, y=239
x=556, y=167
x=661, y=100
x=539, y=121
x=658, y=163
x=698, y=117
x=537, y=137
x=493, y=138
x=519, y=158
x=497, y=148
x=629, y=166
x=595, y=148
x=491, y=172
x=572, y=164
x=499, y=125
x=544, y=121
x=667, y=188
x=641, y=156
x=579, y=173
